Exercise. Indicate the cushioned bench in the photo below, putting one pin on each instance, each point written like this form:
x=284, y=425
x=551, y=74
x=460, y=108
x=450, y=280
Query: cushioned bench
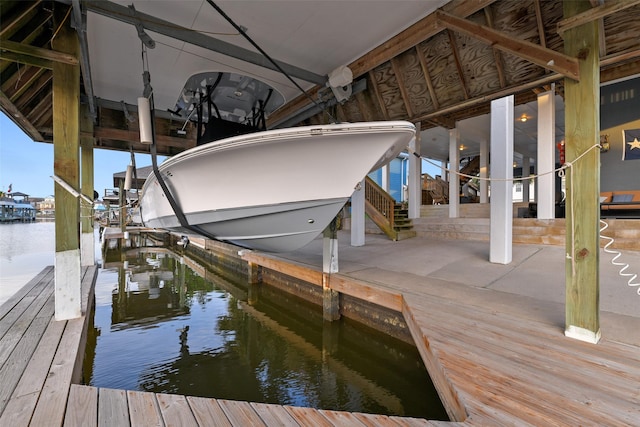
x=620, y=200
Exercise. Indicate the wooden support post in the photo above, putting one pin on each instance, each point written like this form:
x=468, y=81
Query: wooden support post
x=330, y=300
x=122, y=200
x=66, y=135
x=582, y=132
x=254, y=273
x=87, y=241
x=330, y=297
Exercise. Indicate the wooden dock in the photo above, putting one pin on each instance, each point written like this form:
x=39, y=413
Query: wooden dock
x=492, y=365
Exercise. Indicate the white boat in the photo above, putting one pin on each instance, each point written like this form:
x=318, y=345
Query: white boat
x=275, y=190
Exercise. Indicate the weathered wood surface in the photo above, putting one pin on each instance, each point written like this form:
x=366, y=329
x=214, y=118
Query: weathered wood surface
x=502, y=366
x=38, y=355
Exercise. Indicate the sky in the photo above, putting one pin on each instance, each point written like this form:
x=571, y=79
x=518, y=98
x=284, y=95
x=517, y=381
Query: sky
x=28, y=166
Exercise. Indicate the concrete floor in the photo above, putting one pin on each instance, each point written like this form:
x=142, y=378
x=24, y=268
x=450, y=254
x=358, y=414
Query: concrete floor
x=532, y=284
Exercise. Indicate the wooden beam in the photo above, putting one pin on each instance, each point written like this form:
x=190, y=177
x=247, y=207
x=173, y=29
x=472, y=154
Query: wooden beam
x=28, y=79
x=582, y=132
x=11, y=25
x=374, y=86
x=456, y=59
x=397, y=70
x=27, y=52
x=37, y=29
x=87, y=243
x=133, y=137
x=594, y=14
x=427, y=78
x=540, y=22
x=18, y=118
x=546, y=58
x=497, y=56
x=66, y=135
x=26, y=60
x=37, y=86
x=486, y=98
x=427, y=27
x=417, y=33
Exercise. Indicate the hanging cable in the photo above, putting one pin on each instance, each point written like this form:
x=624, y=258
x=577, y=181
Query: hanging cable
x=275, y=64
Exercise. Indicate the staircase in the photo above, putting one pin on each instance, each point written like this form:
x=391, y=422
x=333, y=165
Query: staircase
x=388, y=215
x=474, y=224
x=472, y=168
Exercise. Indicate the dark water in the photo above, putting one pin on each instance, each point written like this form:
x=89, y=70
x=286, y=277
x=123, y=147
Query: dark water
x=164, y=323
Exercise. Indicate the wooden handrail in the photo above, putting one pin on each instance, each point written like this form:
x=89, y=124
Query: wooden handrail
x=381, y=201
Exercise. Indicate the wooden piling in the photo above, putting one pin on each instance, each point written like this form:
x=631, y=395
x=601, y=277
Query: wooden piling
x=582, y=132
x=66, y=111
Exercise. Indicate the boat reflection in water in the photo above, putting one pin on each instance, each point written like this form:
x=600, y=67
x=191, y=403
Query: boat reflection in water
x=167, y=323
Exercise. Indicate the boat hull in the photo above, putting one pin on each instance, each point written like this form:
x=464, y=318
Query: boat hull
x=273, y=191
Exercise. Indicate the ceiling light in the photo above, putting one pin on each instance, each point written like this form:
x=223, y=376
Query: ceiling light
x=461, y=147
x=523, y=118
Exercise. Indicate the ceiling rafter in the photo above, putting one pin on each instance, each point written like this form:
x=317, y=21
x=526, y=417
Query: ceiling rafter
x=41, y=110
x=44, y=79
x=547, y=58
x=405, y=40
x=427, y=78
x=540, y=22
x=595, y=13
x=15, y=23
x=497, y=56
x=28, y=78
x=363, y=107
x=18, y=118
x=415, y=34
x=29, y=38
x=376, y=90
x=456, y=60
x=489, y=97
x=397, y=70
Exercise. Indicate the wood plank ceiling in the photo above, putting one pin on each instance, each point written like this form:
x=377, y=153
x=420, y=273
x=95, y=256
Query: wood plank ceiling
x=443, y=69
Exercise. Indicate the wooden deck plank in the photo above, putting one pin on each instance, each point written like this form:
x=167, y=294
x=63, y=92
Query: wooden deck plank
x=514, y=357
x=347, y=419
x=274, y=415
x=143, y=409
x=113, y=408
x=53, y=397
x=571, y=362
x=16, y=363
x=240, y=413
x=9, y=304
x=208, y=412
x=82, y=407
x=375, y=420
x=308, y=416
x=175, y=410
x=14, y=324
x=22, y=403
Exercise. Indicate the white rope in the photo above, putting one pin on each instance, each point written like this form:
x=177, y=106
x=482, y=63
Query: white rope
x=561, y=173
x=632, y=277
